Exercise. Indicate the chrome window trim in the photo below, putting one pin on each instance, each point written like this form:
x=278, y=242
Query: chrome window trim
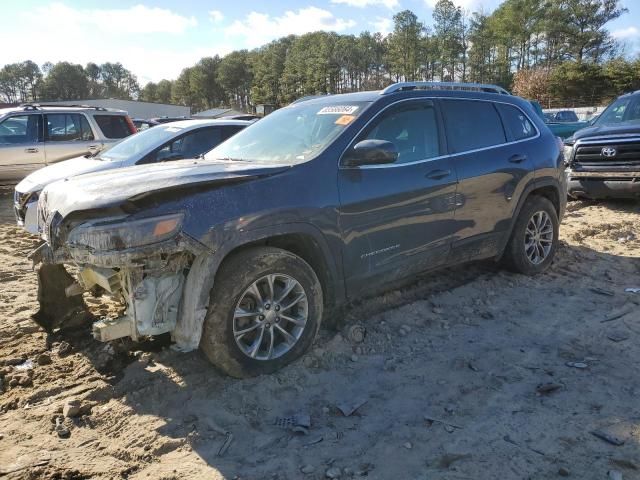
x=439, y=157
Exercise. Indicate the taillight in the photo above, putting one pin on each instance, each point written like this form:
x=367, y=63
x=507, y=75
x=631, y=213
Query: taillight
x=132, y=127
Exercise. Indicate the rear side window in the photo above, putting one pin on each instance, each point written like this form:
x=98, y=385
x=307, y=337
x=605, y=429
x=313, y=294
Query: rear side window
x=68, y=127
x=412, y=128
x=516, y=122
x=113, y=126
x=472, y=125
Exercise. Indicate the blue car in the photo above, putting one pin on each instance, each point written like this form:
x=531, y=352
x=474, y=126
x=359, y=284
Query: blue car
x=244, y=252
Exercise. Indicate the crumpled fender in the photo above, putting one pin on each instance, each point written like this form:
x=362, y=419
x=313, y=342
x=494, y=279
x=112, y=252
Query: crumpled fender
x=200, y=280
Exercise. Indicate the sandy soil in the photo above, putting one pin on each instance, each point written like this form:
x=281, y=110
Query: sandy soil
x=445, y=382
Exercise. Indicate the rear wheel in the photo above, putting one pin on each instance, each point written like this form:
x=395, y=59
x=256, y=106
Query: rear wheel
x=534, y=238
x=265, y=311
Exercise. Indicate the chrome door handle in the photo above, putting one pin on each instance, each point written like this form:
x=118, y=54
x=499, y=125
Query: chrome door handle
x=93, y=147
x=31, y=150
x=438, y=174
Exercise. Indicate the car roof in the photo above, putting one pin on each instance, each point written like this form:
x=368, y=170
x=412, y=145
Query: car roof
x=378, y=95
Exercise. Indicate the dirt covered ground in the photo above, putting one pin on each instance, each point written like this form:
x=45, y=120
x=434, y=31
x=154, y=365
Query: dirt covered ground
x=473, y=373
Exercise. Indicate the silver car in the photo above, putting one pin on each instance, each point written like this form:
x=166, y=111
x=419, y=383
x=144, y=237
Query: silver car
x=171, y=141
x=33, y=136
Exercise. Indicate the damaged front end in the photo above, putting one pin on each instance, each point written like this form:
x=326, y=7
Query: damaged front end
x=141, y=262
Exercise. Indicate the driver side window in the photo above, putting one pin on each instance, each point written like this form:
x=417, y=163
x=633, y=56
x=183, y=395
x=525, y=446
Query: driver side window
x=413, y=129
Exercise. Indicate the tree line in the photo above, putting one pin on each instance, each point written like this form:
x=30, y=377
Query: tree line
x=27, y=82
x=556, y=51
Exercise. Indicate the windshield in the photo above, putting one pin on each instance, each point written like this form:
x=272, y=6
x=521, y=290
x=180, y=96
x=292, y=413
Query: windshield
x=625, y=109
x=293, y=134
x=140, y=143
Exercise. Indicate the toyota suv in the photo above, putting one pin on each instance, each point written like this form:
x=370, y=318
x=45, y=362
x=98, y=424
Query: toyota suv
x=245, y=251
x=604, y=158
x=33, y=135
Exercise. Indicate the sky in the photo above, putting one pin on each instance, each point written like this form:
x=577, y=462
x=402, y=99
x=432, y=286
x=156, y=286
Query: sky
x=156, y=39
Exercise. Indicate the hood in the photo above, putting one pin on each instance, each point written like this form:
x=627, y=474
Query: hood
x=606, y=130
x=111, y=187
x=39, y=179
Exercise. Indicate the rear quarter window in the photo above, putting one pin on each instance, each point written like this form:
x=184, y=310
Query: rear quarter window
x=517, y=123
x=472, y=125
x=113, y=126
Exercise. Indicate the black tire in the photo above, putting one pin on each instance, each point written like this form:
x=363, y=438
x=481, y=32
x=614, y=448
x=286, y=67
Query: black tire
x=236, y=275
x=515, y=256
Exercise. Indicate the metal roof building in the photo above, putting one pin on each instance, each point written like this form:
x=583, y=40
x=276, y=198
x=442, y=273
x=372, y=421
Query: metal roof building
x=134, y=108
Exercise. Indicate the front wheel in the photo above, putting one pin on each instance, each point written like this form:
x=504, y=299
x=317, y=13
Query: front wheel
x=265, y=311
x=534, y=239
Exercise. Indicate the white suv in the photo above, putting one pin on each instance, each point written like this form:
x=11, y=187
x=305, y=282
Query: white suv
x=33, y=136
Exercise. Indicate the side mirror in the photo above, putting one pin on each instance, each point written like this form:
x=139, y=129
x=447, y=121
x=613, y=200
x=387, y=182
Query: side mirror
x=371, y=152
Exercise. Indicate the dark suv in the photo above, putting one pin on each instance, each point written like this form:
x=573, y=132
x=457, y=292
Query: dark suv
x=244, y=251
x=604, y=158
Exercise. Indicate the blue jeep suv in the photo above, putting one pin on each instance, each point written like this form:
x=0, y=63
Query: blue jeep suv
x=244, y=251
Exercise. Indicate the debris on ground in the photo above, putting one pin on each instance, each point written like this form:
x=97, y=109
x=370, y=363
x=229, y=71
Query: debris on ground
x=607, y=437
x=449, y=459
x=579, y=365
x=356, y=333
x=299, y=423
x=333, y=472
x=614, y=475
x=350, y=407
x=71, y=408
x=618, y=336
x=546, y=388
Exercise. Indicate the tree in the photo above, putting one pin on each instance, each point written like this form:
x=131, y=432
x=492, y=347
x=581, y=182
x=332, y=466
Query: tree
x=234, y=78
x=66, y=81
x=404, y=46
x=449, y=35
x=585, y=20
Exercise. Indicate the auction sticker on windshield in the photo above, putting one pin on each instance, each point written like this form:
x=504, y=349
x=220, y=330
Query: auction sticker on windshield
x=338, y=110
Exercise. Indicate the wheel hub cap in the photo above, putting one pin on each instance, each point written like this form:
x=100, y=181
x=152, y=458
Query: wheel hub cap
x=270, y=317
x=538, y=238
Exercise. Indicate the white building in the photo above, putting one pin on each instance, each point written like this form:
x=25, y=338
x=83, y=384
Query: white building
x=133, y=108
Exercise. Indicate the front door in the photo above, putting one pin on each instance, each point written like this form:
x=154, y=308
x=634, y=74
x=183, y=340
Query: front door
x=397, y=219
x=21, y=146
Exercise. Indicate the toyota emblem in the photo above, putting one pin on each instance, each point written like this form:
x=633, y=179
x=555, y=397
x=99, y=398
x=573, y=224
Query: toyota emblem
x=609, y=152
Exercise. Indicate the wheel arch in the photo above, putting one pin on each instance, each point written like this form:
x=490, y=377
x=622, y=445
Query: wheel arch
x=549, y=188
x=301, y=239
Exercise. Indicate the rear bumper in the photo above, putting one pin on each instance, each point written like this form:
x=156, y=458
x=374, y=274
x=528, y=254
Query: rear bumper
x=596, y=185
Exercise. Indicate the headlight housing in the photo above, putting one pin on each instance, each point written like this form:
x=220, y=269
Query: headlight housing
x=567, y=151
x=125, y=234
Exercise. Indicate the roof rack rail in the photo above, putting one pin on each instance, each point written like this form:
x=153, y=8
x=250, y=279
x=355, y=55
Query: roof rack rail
x=29, y=106
x=473, y=87
x=36, y=106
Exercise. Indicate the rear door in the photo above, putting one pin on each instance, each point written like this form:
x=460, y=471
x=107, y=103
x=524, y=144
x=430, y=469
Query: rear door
x=493, y=167
x=21, y=145
x=397, y=219
x=68, y=135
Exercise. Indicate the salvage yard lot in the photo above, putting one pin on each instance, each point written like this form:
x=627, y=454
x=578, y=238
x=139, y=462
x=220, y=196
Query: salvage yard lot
x=445, y=382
